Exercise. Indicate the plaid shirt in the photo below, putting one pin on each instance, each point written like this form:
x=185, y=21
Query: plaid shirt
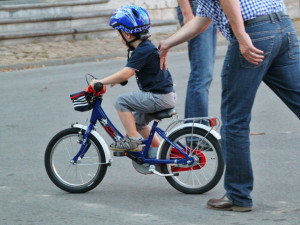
x=250, y=10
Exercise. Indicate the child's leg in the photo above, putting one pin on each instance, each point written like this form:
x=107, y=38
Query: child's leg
x=145, y=134
x=128, y=122
x=130, y=142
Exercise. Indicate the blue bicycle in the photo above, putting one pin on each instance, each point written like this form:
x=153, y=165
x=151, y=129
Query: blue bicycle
x=189, y=155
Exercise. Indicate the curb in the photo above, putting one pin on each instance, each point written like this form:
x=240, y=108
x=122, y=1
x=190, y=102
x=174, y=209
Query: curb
x=59, y=62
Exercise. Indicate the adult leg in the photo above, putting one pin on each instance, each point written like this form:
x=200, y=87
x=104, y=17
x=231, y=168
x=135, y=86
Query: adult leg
x=202, y=57
x=284, y=74
x=239, y=88
x=201, y=50
x=240, y=80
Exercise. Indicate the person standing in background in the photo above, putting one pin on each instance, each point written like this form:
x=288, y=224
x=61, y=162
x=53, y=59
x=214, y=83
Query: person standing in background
x=201, y=50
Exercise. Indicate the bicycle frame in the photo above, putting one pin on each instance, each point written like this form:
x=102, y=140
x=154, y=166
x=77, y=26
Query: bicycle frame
x=98, y=114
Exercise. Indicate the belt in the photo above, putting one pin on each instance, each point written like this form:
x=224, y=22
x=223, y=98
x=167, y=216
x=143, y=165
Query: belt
x=271, y=17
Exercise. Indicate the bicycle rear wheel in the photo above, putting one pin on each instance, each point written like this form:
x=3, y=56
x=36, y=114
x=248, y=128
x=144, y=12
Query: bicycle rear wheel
x=79, y=177
x=208, y=168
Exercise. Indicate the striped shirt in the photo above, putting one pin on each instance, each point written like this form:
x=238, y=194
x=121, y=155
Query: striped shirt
x=250, y=10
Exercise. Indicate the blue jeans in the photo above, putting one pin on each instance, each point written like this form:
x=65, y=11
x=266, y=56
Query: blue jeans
x=280, y=70
x=201, y=50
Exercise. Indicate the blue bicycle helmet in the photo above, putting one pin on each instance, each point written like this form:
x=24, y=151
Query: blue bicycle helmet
x=131, y=19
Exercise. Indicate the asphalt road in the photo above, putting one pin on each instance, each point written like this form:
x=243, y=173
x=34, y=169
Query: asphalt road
x=35, y=105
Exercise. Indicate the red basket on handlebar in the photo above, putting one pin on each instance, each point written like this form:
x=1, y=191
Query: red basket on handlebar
x=82, y=101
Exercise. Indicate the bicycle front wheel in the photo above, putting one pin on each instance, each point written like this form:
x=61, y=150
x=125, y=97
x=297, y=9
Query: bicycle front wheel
x=79, y=177
x=208, y=168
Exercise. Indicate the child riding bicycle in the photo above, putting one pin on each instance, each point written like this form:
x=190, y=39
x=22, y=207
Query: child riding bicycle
x=156, y=86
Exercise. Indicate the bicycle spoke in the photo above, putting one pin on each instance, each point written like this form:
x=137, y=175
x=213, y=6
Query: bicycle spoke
x=64, y=176
x=78, y=173
x=205, y=172
x=196, y=177
x=67, y=150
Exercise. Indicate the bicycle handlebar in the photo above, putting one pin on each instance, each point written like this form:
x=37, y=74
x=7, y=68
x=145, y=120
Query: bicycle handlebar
x=124, y=82
x=98, y=86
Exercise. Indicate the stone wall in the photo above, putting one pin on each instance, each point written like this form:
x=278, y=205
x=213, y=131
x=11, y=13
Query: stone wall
x=165, y=8
x=158, y=9
x=54, y=20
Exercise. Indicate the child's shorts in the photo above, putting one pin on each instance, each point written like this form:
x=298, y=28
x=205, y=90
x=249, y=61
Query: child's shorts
x=142, y=103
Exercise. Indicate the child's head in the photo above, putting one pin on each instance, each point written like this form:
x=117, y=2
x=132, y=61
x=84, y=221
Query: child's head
x=133, y=23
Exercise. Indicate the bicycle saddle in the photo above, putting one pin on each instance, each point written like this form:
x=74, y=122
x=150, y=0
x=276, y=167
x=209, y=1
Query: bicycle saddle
x=164, y=114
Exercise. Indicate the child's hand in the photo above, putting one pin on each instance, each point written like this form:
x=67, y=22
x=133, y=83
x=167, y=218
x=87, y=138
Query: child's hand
x=100, y=88
x=93, y=83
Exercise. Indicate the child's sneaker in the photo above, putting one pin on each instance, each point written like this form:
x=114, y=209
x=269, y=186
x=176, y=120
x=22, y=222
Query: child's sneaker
x=127, y=144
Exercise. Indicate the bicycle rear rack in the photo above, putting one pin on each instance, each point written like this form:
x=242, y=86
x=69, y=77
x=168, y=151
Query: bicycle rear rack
x=212, y=122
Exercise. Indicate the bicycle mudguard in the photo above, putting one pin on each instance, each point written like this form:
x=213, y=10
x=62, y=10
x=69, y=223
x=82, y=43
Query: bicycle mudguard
x=182, y=126
x=108, y=158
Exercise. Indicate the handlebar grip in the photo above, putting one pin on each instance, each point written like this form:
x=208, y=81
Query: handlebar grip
x=98, y=86
x=124, y=82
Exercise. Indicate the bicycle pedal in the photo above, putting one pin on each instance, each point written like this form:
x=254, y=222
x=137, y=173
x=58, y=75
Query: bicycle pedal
x=119, y=154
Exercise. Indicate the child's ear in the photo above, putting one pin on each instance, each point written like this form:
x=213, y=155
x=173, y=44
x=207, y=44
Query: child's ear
x=128, y=35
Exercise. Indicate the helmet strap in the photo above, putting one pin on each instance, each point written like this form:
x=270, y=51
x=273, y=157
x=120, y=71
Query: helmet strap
x=128, y=43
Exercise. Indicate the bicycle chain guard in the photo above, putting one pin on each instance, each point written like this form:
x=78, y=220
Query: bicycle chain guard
x=200, y=160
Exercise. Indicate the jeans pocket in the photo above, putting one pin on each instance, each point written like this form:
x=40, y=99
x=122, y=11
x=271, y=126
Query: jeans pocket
x=294, y=49
x=266, y=45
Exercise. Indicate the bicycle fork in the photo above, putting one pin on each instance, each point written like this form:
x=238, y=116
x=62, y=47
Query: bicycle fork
x=85, y=144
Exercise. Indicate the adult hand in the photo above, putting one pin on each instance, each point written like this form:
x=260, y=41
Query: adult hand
x=163, y=52
x=249, y=51
x=232, y=10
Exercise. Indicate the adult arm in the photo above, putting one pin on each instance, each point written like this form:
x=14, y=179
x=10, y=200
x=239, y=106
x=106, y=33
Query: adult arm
x=232, y=10
x=185, y=33
x=186, y=10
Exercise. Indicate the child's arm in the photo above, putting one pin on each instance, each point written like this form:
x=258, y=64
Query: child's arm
x=117, y=77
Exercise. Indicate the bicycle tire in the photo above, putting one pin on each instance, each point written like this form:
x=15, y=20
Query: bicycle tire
x=78, y=177
x=202, y=176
